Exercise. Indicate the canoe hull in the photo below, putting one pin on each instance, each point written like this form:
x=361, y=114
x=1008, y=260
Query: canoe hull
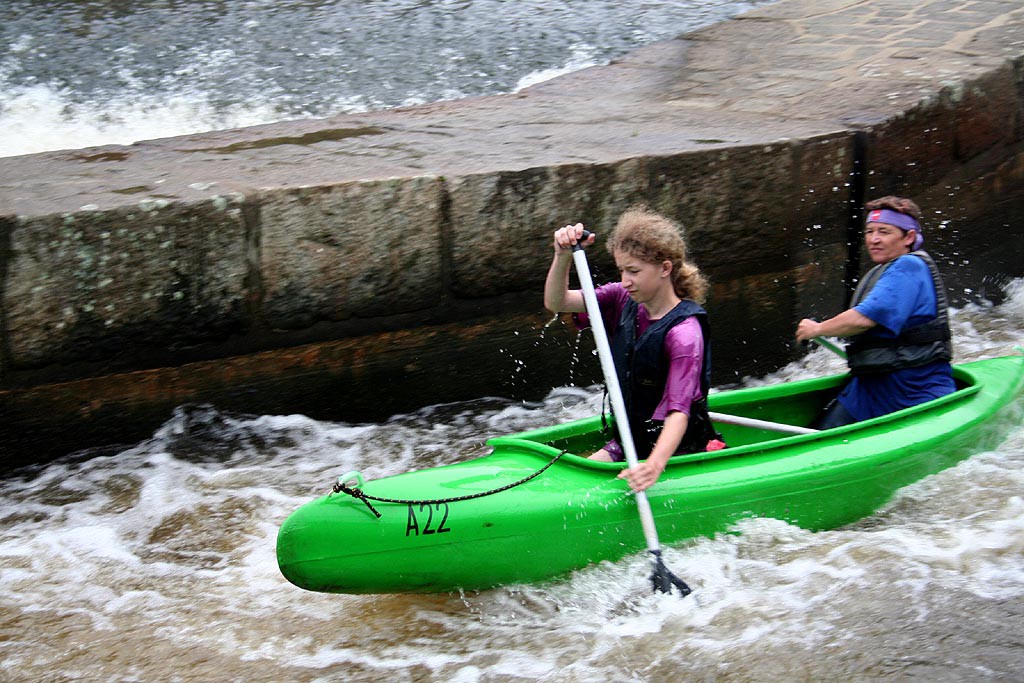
x=577, y=513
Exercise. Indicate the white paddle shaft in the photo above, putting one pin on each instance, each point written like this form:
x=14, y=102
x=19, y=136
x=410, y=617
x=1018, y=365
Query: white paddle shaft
x=611, y=378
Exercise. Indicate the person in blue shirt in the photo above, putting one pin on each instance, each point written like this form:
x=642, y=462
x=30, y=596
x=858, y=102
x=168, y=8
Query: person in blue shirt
x=900, y=347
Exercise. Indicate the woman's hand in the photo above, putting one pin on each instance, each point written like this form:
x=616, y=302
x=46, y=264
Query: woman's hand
x=558, y=298
x=847, y=324
x=643, y=476
x=646, y=473
x=570, y=235
x=807, y=329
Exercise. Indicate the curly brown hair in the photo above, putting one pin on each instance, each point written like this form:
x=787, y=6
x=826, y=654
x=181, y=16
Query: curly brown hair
x=901, y=204
x=653, y=238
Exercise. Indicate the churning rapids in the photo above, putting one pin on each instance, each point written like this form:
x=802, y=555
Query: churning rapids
x=157, y=564
x=80, y=73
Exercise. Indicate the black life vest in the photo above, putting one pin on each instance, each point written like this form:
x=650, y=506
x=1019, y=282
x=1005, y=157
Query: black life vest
x=643, y=372
x=915, y=346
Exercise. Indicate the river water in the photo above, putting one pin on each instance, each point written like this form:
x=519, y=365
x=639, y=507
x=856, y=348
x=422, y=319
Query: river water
x=88, y=72
x=157, y=564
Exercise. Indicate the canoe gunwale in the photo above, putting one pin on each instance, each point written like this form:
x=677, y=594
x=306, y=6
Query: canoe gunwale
x=538, y=441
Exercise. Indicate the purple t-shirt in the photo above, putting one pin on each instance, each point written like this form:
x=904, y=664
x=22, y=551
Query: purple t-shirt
x=683, y=348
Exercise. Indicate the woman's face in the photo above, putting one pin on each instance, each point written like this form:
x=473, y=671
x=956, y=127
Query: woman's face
x=886, y=242
x=643, y=280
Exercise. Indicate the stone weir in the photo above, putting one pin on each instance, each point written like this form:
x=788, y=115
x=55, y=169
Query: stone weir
x=354, y=267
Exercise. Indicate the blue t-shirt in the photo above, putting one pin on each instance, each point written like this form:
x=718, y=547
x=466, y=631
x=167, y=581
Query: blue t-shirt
x=903, y=297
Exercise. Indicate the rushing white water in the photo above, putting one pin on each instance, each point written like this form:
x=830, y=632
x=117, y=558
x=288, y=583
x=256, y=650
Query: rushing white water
x=157, y=564
x=75, y=74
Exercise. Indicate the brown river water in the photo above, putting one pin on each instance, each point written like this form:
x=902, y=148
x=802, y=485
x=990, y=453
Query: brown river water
x=157, y=564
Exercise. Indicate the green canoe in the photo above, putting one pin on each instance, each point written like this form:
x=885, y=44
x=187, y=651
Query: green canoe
x=443, y=536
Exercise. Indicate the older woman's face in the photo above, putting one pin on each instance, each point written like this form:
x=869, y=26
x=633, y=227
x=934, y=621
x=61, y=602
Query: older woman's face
x=886, y=242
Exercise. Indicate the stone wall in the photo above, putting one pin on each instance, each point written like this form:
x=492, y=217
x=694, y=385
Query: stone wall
x=361, y=266
x=959, y=152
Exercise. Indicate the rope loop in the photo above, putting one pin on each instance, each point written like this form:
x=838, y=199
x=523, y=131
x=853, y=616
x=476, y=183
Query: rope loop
x=342, y=487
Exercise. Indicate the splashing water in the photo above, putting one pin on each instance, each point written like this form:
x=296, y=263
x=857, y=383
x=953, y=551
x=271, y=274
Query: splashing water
x=77, y=74
x=158, y=563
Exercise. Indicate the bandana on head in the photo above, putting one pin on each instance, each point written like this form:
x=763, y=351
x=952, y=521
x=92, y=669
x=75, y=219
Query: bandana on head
x=899, y=220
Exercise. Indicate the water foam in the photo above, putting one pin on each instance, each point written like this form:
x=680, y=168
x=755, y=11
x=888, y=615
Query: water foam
x=42, y=118
x=172, y=542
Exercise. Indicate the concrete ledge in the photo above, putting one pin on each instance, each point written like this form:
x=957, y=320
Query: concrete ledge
x=135, y=278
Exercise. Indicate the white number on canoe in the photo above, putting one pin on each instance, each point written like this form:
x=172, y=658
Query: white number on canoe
x=412, y=528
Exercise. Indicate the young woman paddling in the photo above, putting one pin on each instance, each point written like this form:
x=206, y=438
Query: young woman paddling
x=658, y=334
x=897, y=323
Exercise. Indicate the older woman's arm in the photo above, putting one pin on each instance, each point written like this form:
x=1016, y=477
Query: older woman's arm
x=847, y=324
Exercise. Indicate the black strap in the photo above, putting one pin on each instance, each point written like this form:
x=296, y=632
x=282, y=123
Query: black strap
x=356, y=492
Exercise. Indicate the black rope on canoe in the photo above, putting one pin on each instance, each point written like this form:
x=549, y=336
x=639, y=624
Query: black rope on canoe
x=356, y=492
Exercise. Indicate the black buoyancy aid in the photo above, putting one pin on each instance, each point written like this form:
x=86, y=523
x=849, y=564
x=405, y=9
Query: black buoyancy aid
x=643, y=372
x=915, y=346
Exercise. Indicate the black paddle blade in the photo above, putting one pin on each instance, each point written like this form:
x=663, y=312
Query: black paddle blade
x=663, y=580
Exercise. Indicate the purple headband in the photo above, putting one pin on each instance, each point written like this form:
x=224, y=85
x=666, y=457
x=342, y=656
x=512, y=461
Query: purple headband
x=900, y=220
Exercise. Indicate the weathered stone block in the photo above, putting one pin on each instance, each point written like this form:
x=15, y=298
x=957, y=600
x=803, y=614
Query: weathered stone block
x=502, y=223
x=737, y=230
x=768, y=226
x=6, y=228
x=959, y=123
x=430, y=282
x=334, y=252
x=974, y=228
x=957, y=155
x=821, y=237
x=361, y=377
x=111, y=286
